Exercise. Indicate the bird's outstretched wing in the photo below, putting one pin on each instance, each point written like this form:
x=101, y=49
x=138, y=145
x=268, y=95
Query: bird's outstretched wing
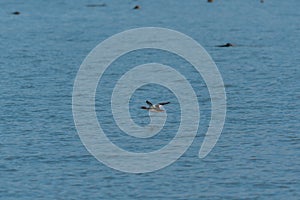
x=149, y=103
x=163, y=103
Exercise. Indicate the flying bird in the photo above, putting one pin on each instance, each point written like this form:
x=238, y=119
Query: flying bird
x=155, y=108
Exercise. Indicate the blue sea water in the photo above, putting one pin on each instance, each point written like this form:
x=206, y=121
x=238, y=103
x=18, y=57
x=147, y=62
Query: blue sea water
x=41, y=50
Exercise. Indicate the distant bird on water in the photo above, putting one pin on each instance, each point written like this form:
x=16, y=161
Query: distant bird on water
x=226, y=45
x=136, y=7
x=155, y=108
x=16, y=13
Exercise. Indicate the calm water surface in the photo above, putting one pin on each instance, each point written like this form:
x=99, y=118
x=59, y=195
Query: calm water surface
x=257, y=155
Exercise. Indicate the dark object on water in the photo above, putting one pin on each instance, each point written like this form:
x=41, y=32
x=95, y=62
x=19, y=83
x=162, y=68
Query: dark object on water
x=16, y=13
x=226, y=45
x=96, y=5
x=136, y=7
x=210, y=1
